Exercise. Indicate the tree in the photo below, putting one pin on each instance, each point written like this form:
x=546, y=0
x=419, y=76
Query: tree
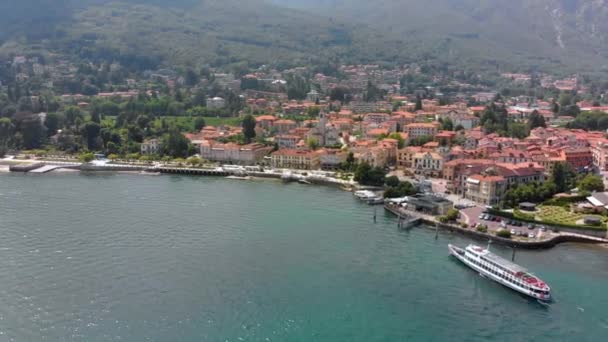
x=536, y=120
x=372, y=93
x=33, y=132
x=91, y=132
x=297, y=87
x=199, y=123
x=418, y=104
x=53, y=122
x=96, y=118
x=562, y=177
x=349, y=164
x=175, y=144
x=312, y=144
x=392, y=181
x=591, y=183
x=249, y=128
x=401, y=190
x=313, y=111
x=504, y=233
x=452, y=215
x=365, y=174
x=399, y=138
x=448, y=125
x=339, y=94
x=71, y=114
x=87, y=157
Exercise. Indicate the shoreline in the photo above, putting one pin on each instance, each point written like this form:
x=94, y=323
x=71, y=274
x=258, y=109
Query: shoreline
x=541, y=244
x=429, y=221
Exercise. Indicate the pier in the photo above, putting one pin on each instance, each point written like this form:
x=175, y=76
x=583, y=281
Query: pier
x=192, y=171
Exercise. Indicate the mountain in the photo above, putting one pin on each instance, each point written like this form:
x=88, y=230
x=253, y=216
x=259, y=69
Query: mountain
x=476, y=35
x=524, y=33
x=147, y=33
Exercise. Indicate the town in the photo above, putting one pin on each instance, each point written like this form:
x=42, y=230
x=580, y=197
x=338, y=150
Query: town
x=537, y=140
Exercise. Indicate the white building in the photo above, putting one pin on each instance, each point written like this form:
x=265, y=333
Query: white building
x=216, y=103
x=150, y=147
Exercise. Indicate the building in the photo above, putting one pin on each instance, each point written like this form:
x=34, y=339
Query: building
x=579, y=159
x=332, y=159
x=313, y=96
x=600, y=155
x=284, y=126
x=232, y=153
x=151, y=146
x=287, y=141
x=295, y=159
x=432, y=205
x=216, y=103
x=429, y=164
x=417, y=130
x=486, y=190
x=265, y=121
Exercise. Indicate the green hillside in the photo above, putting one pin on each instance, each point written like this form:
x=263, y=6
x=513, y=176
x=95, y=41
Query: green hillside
x=214, y=32
x=520, y=33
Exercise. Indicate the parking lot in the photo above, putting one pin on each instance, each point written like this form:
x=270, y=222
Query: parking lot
x=475, y=216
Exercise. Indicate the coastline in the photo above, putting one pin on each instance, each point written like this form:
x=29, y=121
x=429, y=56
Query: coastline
x=430, y=221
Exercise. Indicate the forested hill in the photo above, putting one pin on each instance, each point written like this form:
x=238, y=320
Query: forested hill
x=558, y=33
x=192, y=32
x=565, y=35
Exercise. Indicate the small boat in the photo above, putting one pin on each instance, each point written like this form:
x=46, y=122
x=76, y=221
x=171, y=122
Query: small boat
x=502, y=271
x=239, y=177
x=364, y=194
x=304, y=181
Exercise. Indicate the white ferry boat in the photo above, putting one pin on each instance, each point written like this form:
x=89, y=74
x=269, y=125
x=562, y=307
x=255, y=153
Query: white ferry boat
x=502, y=271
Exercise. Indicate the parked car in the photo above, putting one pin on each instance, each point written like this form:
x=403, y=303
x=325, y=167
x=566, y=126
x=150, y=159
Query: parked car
x=531, y=236
x=513, y=232
x=543, y=229
x=531, y=226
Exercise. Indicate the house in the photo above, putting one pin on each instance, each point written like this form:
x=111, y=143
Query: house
x=429, y=164
x=284, y=126
x=287, y=141
x=151, y=146
x=232, y=153
x=417, y=130
x=486, y=190
x=265, y=121
x=332, y=159
x=295, y=159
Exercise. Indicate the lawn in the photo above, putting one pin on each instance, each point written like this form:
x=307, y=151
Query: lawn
x=563, y=215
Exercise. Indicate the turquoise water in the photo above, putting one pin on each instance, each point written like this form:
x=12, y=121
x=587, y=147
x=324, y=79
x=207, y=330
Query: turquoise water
x=167, y=258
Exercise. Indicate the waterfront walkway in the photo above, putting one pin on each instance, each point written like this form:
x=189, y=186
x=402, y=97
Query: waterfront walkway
x=536, y=244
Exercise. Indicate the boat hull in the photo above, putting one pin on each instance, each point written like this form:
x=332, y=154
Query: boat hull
x=459, y=254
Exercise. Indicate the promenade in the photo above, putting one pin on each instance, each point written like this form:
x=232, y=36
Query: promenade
x=542, y=243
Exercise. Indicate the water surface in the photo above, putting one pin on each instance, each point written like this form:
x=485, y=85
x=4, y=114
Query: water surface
x=170, y=258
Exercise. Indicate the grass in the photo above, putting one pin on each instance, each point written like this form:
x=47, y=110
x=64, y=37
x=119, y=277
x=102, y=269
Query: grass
x=562, y=215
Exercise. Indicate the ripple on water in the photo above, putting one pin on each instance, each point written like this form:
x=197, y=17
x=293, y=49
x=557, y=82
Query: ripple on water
x=176, y=258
